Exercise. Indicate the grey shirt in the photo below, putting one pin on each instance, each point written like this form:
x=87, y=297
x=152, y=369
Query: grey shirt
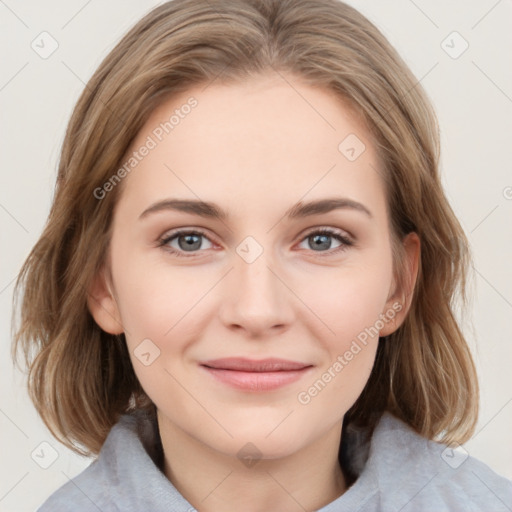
x=397, y=471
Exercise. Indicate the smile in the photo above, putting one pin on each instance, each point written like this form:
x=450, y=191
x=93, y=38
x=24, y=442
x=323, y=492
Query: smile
x=252, y=375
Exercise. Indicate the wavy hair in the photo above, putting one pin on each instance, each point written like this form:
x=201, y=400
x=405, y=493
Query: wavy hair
x=80, y=378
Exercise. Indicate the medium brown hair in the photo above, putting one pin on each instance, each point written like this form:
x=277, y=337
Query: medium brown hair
x=80, y=377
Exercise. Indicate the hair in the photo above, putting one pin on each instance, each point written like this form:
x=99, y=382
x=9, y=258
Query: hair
x=80, y=378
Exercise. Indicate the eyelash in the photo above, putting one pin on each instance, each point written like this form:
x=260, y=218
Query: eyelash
x=345, y=241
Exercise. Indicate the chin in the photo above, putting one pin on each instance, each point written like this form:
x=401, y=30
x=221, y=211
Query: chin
x=273, y=443
x=253, y=449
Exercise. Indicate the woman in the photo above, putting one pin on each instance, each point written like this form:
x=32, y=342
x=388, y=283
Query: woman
x=243, y=295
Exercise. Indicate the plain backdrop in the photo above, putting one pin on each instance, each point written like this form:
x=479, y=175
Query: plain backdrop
x=471, y=91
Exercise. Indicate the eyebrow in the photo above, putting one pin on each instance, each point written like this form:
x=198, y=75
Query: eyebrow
x=299, y=210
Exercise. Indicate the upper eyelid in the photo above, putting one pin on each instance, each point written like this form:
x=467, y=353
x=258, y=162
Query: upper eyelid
x=337, y=231
x=168, y=235
x=347, y=242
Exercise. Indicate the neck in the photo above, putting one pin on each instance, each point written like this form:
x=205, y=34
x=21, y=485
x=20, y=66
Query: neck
x=210, y=480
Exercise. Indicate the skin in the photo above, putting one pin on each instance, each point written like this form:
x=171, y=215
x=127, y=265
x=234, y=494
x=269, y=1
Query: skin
x=255, y=149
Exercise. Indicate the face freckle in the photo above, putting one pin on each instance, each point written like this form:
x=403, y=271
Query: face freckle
x=256, y=283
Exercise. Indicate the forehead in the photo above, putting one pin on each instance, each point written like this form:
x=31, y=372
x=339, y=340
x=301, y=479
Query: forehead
x=256, y=145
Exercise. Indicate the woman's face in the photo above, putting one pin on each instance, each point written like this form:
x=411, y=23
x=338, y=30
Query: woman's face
x=251, y=277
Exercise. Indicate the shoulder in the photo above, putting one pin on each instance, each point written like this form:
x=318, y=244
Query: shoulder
x=414, y=473
x=84, y=493
x=125, y=477
x=101, y=484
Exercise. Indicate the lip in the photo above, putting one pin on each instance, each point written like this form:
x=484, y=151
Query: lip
x=256, y=375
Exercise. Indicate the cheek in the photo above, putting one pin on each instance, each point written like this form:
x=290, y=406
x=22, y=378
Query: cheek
x=162, y=312
x=157, y=299
x=345, y=301
x=349, y=303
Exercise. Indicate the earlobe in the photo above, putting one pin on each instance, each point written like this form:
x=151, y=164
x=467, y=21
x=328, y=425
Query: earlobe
x=102, y=304
x=399, y=303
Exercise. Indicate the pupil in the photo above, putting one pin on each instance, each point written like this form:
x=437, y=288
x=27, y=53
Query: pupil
x=190, y=242
x=323, y=241
x=194, y=241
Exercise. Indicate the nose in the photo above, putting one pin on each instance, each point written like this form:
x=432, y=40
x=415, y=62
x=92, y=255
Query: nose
x=256, y=298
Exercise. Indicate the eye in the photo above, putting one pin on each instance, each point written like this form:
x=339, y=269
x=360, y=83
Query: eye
x=320, y=240
x=187, y=241
x=184, y=241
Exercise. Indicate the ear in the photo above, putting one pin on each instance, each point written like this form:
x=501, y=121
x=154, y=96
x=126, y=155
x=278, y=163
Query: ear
x=400, y=299
x=102, y=303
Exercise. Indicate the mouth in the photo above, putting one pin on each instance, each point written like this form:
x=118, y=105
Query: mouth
x=256, y=375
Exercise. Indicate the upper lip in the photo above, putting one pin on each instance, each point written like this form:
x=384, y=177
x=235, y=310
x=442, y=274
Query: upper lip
x=250, y=365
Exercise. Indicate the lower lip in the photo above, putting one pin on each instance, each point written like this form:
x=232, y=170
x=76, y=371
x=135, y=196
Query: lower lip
x=256, y=381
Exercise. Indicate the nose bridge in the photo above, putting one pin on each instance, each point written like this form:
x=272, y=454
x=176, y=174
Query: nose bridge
x=256, y=299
